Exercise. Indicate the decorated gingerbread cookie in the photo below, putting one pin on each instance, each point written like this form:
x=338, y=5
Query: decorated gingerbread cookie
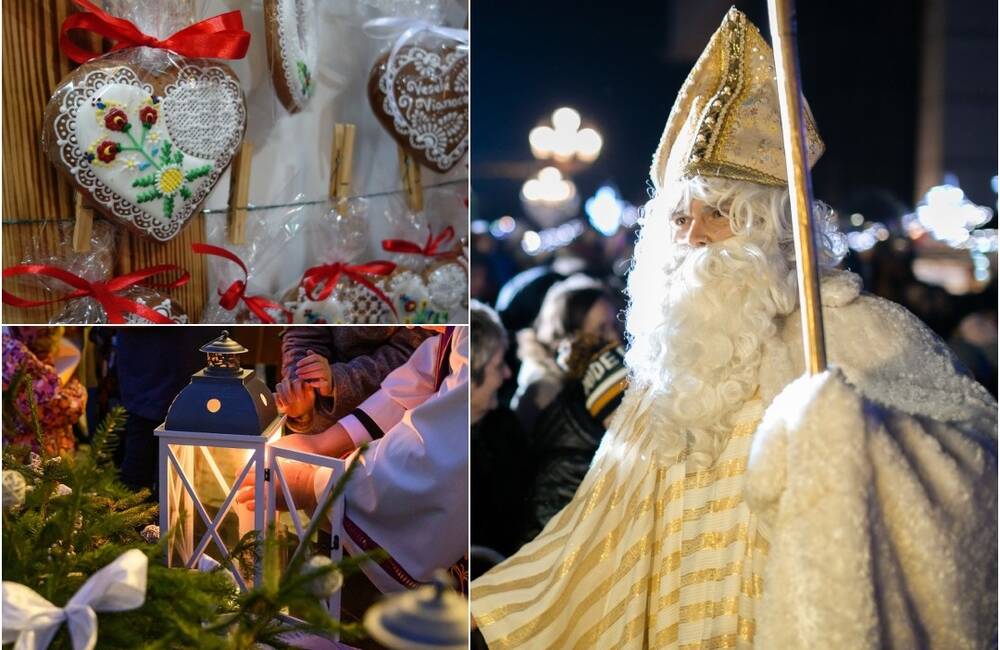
x=439, y=295
x=349, y=302
x=421, y=96
x=144, y=148
x=290, y=26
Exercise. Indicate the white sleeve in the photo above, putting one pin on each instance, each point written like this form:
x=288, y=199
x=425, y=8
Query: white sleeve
x=404, y=388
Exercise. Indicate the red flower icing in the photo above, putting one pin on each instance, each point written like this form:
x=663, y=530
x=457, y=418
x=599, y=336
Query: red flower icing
x=116, y=119
x=147, y=115
x=107, y=150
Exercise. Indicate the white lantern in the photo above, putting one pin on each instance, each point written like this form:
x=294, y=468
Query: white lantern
x=214, y=438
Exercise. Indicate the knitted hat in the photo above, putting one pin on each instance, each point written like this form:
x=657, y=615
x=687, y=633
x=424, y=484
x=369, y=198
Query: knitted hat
x=604, y=381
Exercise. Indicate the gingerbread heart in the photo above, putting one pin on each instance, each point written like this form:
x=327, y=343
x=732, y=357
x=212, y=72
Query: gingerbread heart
x=421, y=96
x=146, y=148
x=290, y=26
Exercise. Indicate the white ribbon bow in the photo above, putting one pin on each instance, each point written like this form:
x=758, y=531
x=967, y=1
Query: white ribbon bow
x=406, y=28
x=32, y=621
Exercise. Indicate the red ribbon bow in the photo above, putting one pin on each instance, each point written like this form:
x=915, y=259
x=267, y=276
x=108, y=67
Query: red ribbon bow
x=218, y=37
x=429, y=249
x=328, y=275
x=103, y=292
x=236, y=292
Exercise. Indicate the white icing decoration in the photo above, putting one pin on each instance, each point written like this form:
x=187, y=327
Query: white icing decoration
x=78, y=128
x=449, y=287
x=165, y=308
x=429, y=128
x=296, y=23
x=204, y=112
x=348, y=303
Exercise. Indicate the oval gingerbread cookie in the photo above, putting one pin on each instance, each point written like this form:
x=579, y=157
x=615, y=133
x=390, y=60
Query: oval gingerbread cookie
x=290, y=26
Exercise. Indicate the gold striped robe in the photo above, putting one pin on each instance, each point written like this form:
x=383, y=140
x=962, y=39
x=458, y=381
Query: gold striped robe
x=646, y=555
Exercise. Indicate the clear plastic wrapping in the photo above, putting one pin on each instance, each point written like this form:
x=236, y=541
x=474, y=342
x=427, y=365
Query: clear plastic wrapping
x=143, y=133
x=95, y=268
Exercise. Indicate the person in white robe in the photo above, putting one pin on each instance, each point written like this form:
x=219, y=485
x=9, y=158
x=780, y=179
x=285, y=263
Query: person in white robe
x=730, y=504
x=409, y=497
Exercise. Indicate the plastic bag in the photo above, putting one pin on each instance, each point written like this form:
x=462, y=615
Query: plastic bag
x=91, y=273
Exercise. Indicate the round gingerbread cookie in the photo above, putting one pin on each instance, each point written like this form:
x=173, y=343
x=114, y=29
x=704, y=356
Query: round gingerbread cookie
x=290, y=26
x=145, y=143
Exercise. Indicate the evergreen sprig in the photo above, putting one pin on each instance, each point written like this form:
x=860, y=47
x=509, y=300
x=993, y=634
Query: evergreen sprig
x=54, y=542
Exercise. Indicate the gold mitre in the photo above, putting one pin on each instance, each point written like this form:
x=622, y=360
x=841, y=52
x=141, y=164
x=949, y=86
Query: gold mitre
x=726, y=121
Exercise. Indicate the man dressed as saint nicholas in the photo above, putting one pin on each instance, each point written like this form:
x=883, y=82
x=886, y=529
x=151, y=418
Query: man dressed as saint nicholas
x=734, y=502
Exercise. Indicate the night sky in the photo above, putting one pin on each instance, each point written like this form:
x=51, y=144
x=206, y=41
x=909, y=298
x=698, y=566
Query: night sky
x=621, y=64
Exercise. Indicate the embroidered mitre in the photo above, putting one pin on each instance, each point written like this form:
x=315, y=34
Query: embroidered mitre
x=726, y=120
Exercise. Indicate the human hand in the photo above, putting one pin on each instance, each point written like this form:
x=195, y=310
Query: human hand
x=299, y=479
x=295, y=398
x=315, y=371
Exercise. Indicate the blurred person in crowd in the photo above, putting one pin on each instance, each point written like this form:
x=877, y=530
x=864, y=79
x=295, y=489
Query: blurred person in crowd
x=328, y=371
x=501, y=457
x=570, y=429
x=865, y=515
x=975, y=344
x=153, y=365
x=578, y=304
x=43, y=365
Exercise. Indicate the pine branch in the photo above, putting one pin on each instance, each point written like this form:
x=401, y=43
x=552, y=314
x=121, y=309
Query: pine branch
x=106, y=439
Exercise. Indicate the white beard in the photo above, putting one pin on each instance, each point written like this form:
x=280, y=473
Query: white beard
x=698, y=346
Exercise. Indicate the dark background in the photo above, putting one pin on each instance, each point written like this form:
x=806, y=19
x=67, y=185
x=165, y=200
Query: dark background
x=871, y=72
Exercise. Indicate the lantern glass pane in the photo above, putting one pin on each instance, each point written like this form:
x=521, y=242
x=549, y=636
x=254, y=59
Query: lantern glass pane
x=287, y=533
x=212, y=473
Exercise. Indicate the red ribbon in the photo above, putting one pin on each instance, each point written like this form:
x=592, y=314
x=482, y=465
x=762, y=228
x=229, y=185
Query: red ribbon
x=429, y=249
x=236, y=292
x=218, y=37
x=328, y=275
x=103, y=292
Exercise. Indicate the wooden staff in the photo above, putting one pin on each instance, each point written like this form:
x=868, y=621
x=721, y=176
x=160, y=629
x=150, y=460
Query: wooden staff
x=800, y=186
x=239, y=193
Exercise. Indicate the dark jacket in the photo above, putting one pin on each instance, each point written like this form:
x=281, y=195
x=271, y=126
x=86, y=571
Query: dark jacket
x=360, y=358
x=564, y=443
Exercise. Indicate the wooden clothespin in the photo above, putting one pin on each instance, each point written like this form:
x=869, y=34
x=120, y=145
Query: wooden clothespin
x=409, y=170
x=84, y=225
x=342, y=163
x=239, y=192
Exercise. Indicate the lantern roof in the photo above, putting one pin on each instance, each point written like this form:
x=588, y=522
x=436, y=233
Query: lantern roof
x=223, y=345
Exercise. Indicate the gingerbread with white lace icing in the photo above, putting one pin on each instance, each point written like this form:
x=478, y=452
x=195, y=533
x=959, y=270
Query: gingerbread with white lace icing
x=290, y=26
x=421, y=96
x=145, y=149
